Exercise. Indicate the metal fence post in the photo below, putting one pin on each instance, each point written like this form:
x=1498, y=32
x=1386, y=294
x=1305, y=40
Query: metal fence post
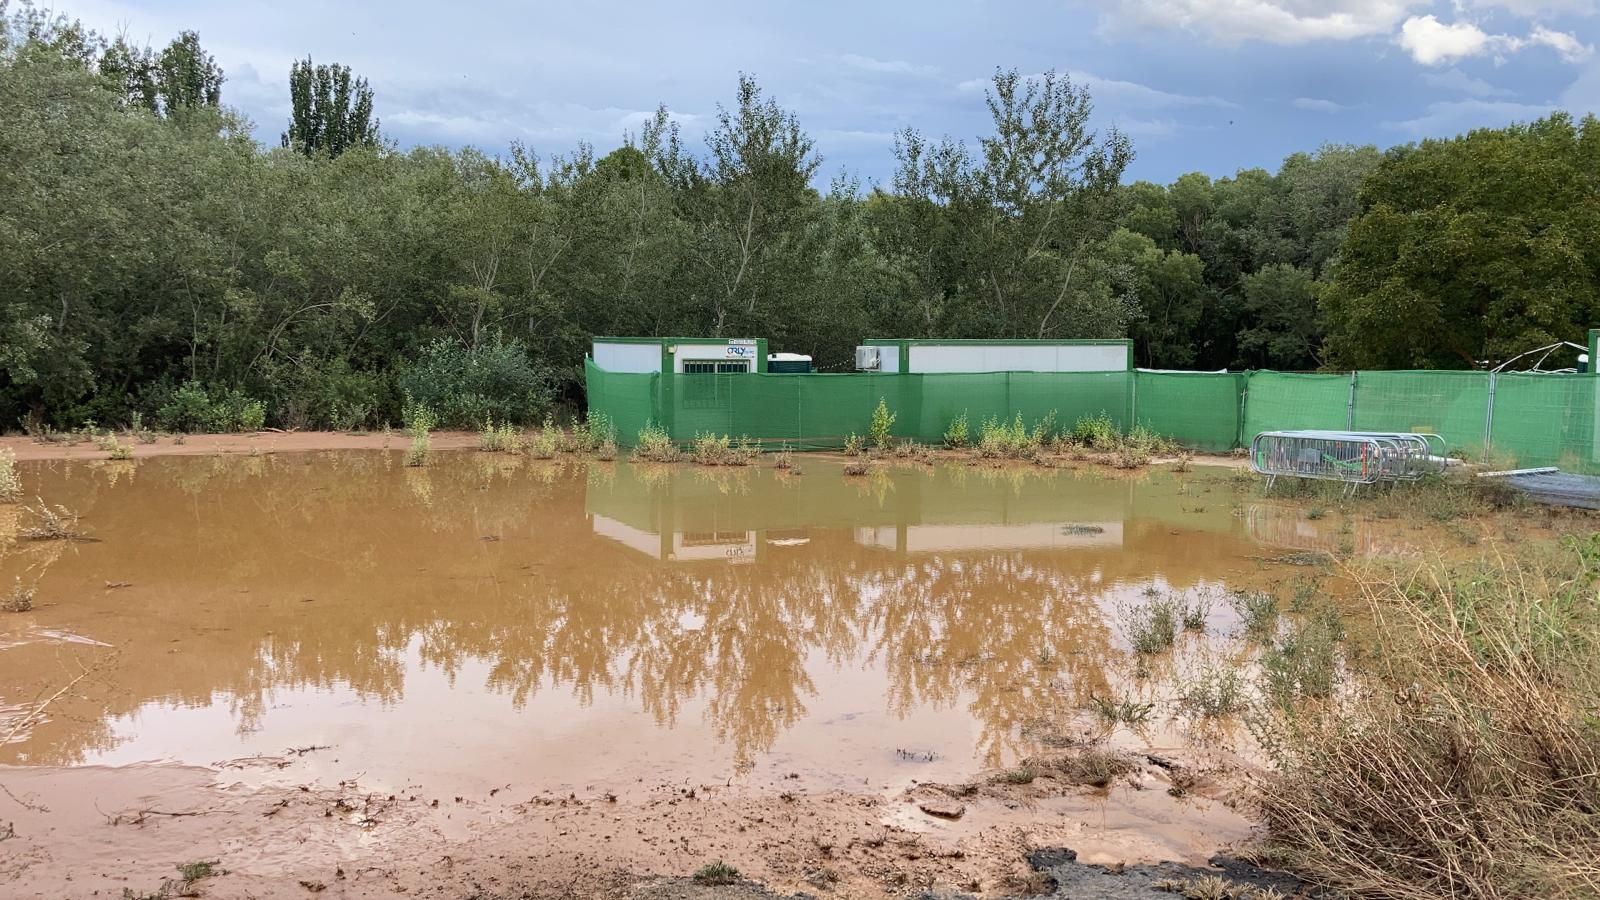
x=1350, y=405
x=1488, y=419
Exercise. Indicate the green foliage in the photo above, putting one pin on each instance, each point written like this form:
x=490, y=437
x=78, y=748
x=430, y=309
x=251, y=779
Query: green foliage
x=1151, y=626
x=956, y=436
x=331, y=112
x=716, y=874
x=1258, y=611
x=1217, y=691
x=502, y=438
x=191, y=408
x=1098, y=432
x=853, y=445
x=420, y=421
x=882, y=422
x=466, y=386
x=1124, y=710
x=999, y=439
x=721, y=450
x=656, y=444
x=1469, y=249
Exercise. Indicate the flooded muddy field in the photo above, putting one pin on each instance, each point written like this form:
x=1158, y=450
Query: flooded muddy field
x=493, y=626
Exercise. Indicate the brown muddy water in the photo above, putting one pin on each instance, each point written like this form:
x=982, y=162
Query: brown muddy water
x=492, y=620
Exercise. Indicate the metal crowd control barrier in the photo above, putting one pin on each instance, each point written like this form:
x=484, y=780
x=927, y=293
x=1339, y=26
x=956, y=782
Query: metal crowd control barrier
x=1352, y=457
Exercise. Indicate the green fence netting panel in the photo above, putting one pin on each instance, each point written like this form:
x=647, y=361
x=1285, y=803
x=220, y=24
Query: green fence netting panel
x=1071, y=396
x=1546, y=420
x=1454, y=405
x=1197, y=409
x=628, y=398
x=1279, y=401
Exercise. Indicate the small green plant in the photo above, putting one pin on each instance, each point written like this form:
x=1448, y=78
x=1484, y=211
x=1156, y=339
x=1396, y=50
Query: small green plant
x=1316, y=512
x=784, y=458
x=18, y=599
x=1216, y=692
x=598, y=431
x=503, y=438
x=882, y=422
x=1150, y=626
x=716, y=874
x=1022, y=775
x=956, y=436
x=655, y=444
x=1258, y=610
x=419, y=421
x=1303, y=662
x=10, y=481
x=546, y=442
x=1184, y=463
x=1124, y=710
x=1098, y=432
x=1131, y=456
x=122, y=451
x=195, y=871
x=853, y=445
x=1195, y=611
x=1000, y=439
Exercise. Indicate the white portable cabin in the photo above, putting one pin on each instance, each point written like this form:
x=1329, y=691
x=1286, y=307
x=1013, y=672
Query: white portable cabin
x=927, y=356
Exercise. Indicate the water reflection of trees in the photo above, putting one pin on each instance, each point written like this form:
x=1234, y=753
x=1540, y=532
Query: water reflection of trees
x=286, y=573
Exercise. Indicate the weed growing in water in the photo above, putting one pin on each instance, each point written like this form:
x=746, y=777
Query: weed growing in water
x=1303, y=662
x=720, y=450
x=546, y=442
x=1216, y=692
x=1150, y=626
x=1023, y=775
x=882, y=422
x=857, y=467
x=1259, y=612
x=19, y=599
x=656, y=445
x=502, y=439
x=1185, y=461
x=195, y=871
x=1130, y=456
x=1194, y=612
x=51, y=523
x=956, y=436
x=1126, y=711
x=853, y=445
x=1093, y=766
x=10, y=481
x=597, y=432
x=784, y=458
x=419, y=422
x=716, y=874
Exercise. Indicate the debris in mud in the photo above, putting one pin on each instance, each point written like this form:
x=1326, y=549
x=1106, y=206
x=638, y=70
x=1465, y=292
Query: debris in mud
x=1074, y=530
x=114, y=585
x=310, y=748
x=916, y=755
x=943, y=809
x=1228, y=879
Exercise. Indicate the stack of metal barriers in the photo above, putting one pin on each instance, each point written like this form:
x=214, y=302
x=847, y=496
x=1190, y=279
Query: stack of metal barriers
x=1355, y=458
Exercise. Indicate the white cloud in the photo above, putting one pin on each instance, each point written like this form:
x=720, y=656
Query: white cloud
x=1456, y=116
x=1570, y=48
x=889, y=66
x=1528, y=8
x=1457, y=80
x=1274, y=21
x=1432, y=42
x=1148, y=129
x=1313, y=104
x=1114, y=92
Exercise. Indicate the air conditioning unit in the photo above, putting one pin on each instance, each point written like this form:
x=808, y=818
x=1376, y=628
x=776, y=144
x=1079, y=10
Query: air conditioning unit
x=867, y=359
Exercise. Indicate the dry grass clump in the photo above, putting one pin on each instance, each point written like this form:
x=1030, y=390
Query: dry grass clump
x=50, y=523
x=857, y=467
x=18, y=599
x=1089, y=767
x=1468, y=763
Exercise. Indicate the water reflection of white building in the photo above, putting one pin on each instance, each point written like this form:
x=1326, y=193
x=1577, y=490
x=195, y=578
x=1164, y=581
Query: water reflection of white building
x=734, y=546
x=1030, y=536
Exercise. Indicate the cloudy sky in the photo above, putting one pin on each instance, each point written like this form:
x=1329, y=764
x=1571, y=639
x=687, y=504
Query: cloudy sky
x=1213, y=85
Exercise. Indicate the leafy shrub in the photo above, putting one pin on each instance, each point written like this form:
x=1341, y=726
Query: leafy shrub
x=999, y=439
x=312, y=393
x=419, y=421
x=882, y=422
x=956, y=436
x=720, y=450
x=464, y=387
x=503, y=438
x=1098, y=432
x=191, y=408
x=656, y=444
x=1151, y=626
x=852, y=445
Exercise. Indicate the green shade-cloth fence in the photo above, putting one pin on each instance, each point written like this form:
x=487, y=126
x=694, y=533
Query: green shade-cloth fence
x=1519, y=419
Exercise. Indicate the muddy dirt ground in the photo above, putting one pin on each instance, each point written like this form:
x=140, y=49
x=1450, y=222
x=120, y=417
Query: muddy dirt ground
x=98, y=831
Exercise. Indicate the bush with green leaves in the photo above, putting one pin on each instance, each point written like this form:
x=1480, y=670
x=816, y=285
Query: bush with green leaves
x=956, y=436
x=882, y=423
x=656, y=445
x=464, y=387
x=1096, y=431
x=191, y=408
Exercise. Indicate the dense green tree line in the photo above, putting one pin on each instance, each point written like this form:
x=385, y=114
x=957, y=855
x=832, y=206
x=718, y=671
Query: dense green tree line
x=154, y=258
